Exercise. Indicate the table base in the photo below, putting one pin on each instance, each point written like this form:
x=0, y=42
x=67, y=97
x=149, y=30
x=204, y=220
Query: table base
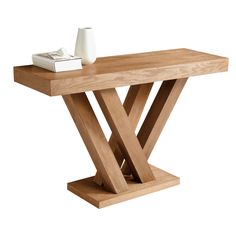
x=88, y=190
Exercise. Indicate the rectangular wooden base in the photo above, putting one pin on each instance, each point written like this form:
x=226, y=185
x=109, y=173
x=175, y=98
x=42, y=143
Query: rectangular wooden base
x=97, y=196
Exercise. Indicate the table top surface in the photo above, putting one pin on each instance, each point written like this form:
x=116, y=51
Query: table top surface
x=123, y=70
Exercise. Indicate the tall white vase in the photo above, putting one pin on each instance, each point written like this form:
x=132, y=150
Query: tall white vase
x=85, y=46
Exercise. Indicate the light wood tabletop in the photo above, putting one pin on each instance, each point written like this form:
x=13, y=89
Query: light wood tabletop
x=124, y=70
x=123, y=171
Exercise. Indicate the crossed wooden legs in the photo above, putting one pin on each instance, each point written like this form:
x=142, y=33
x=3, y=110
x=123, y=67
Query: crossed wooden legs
x=125, y=152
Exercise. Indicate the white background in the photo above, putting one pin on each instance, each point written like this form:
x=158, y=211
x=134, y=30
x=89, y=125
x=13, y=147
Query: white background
x=41, y=150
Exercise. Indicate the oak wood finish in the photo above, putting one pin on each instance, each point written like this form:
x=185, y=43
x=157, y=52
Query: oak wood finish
x=158, y=115
x=95, y=194
x=95, y=141
x=134, y=104
x=124, y=70
x=139, y=71
x=122, y=129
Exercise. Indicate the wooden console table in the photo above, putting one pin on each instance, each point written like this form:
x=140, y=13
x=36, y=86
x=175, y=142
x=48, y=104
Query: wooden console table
x=121, y=162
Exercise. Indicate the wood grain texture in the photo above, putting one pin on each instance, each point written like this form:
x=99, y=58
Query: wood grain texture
x=158, y=115
x=124, y=70
x=134, y=104
x=95, y=141
x=123, y=130
x=97, y=196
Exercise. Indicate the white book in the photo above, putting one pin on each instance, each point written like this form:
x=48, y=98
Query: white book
x=46, y=61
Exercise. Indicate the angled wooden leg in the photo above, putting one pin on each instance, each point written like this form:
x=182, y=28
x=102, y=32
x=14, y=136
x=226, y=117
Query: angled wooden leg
x=123, y=130
x=158, y=115
x=134, y=104
x=136, y=150
x=95, y=141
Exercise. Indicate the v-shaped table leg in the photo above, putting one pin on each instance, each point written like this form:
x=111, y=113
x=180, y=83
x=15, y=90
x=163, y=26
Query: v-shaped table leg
x=136, y=150
x=158, y=115
x=95, y=141
x=123, y=130
x=134, y=104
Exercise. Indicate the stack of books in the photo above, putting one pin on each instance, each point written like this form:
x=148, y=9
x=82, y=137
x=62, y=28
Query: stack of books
x=57, y=61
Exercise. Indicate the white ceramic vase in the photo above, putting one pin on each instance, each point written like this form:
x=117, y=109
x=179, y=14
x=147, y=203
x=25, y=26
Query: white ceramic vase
x=85, y=46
